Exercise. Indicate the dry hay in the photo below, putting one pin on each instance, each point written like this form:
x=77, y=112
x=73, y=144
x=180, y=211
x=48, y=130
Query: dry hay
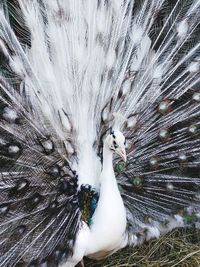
x=179, y=248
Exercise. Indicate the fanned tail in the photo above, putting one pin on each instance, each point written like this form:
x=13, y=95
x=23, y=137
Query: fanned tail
x=76, y=69
x=39, y=212
x=160, y=183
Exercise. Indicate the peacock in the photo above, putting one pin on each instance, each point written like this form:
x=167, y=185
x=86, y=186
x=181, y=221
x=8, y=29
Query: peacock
x=99, y=126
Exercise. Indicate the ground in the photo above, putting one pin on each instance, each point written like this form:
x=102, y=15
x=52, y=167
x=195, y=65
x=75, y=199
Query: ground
x=180, y=248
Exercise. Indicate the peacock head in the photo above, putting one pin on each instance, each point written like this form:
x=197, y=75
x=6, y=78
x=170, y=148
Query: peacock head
x=115, y=141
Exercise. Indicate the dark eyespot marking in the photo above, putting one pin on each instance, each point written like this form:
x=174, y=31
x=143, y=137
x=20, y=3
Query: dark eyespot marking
x=4, y=208
x=55, y=171
x=47, y=145
x=13, y=150
x=19, y=231
x=67, y=187
x=114, y=136
x=34, y=201
x=20, y=188
x=53, y=206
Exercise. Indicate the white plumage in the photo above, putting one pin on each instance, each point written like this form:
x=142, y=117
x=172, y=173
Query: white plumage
x=107, y=232
x=77, y=78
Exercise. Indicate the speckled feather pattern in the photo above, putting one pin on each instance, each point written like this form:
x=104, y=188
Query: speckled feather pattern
x=69, y=72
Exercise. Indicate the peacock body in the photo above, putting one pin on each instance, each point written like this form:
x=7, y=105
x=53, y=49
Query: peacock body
x=99, y=126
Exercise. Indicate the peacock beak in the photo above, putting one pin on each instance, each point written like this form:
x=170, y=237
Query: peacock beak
x=122, y=153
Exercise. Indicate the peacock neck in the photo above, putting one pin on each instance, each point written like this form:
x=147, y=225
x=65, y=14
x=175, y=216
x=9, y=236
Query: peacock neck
x=110, y=209
x=108, y=180
x=107, y=159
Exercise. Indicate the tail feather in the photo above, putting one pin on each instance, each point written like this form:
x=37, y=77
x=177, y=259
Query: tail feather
x=76, y=69
x=39, y=212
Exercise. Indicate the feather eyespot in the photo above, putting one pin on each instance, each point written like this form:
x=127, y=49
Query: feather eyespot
x=19, y=231
x=20, y=188
x=34, y=201
x=4, y=208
